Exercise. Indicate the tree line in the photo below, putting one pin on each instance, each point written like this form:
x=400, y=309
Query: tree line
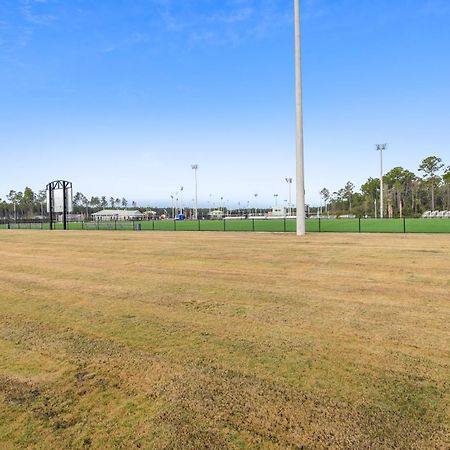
x=405, y=193
x=28, y=204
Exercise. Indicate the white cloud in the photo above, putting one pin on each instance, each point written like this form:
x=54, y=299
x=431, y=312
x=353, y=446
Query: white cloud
x=29, y=10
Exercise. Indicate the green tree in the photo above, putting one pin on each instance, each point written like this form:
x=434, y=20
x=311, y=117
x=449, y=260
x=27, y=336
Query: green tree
x=16, y=198
x=85, y=203
x=28, y=200
x=398, y=180
x=325, y=194
x=78, y=201
x=371, y=193
x=349, y=189
x=95, y=202
x=430, y=167
x=446, y=178
x=41, y=199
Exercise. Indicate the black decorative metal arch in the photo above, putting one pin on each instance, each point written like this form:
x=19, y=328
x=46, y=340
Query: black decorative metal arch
x=51, y=187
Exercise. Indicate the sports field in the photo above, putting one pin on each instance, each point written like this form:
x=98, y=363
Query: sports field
x=405, y=225
x=224, y=340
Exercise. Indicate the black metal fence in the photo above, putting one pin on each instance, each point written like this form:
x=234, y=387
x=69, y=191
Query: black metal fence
x=279, y=225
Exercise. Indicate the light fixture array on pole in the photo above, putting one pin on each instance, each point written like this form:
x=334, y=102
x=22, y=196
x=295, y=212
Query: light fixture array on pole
x=381, y=148
x=195, y=168
x=289, y=182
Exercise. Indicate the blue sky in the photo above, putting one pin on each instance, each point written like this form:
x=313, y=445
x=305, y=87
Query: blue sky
x=120, y=97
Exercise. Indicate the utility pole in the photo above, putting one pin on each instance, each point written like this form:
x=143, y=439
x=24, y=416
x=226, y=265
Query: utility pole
x=289, y=182
x=300, y=166
x=194, y=167
x=181, y=200
x=381, y=148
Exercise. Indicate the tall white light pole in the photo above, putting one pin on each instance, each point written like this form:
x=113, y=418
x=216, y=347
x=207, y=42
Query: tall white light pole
x=289, y=182
x=381, y=148
x=300, y=169
x=195, y=168
x=181, y=200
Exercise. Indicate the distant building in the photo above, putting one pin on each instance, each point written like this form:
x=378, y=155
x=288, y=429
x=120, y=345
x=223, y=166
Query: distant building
x=278, y=211
x=150, y=215
x=117, y=214
x=216, y=214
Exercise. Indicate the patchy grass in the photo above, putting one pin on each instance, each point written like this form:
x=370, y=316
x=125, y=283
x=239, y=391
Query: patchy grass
x=188, y=341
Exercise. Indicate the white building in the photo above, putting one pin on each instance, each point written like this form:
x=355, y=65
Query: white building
x=278, y=211
x=216, y=214
x=117, y=214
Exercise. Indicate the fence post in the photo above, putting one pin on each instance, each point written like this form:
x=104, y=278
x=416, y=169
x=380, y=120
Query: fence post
x=359, y=225
x=320, y=229
x=199, y=225
x=115, y=225
x=174, y=225
x=284, y=225
x=224, y=225
x=253, y=225
x=404, y=224
x=153, y=225
x=98, y=224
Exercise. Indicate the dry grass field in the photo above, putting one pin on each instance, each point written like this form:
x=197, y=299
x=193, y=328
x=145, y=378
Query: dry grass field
x=224, y=341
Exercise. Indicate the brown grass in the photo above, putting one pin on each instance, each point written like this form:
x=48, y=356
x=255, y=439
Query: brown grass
x=199, y=340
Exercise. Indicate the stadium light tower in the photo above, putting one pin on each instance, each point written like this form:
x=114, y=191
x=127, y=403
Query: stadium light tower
x=194, y=167
x=181, y=200
x=381, y=148
x=289, y=182
x=300, y=169
x=173, y=207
